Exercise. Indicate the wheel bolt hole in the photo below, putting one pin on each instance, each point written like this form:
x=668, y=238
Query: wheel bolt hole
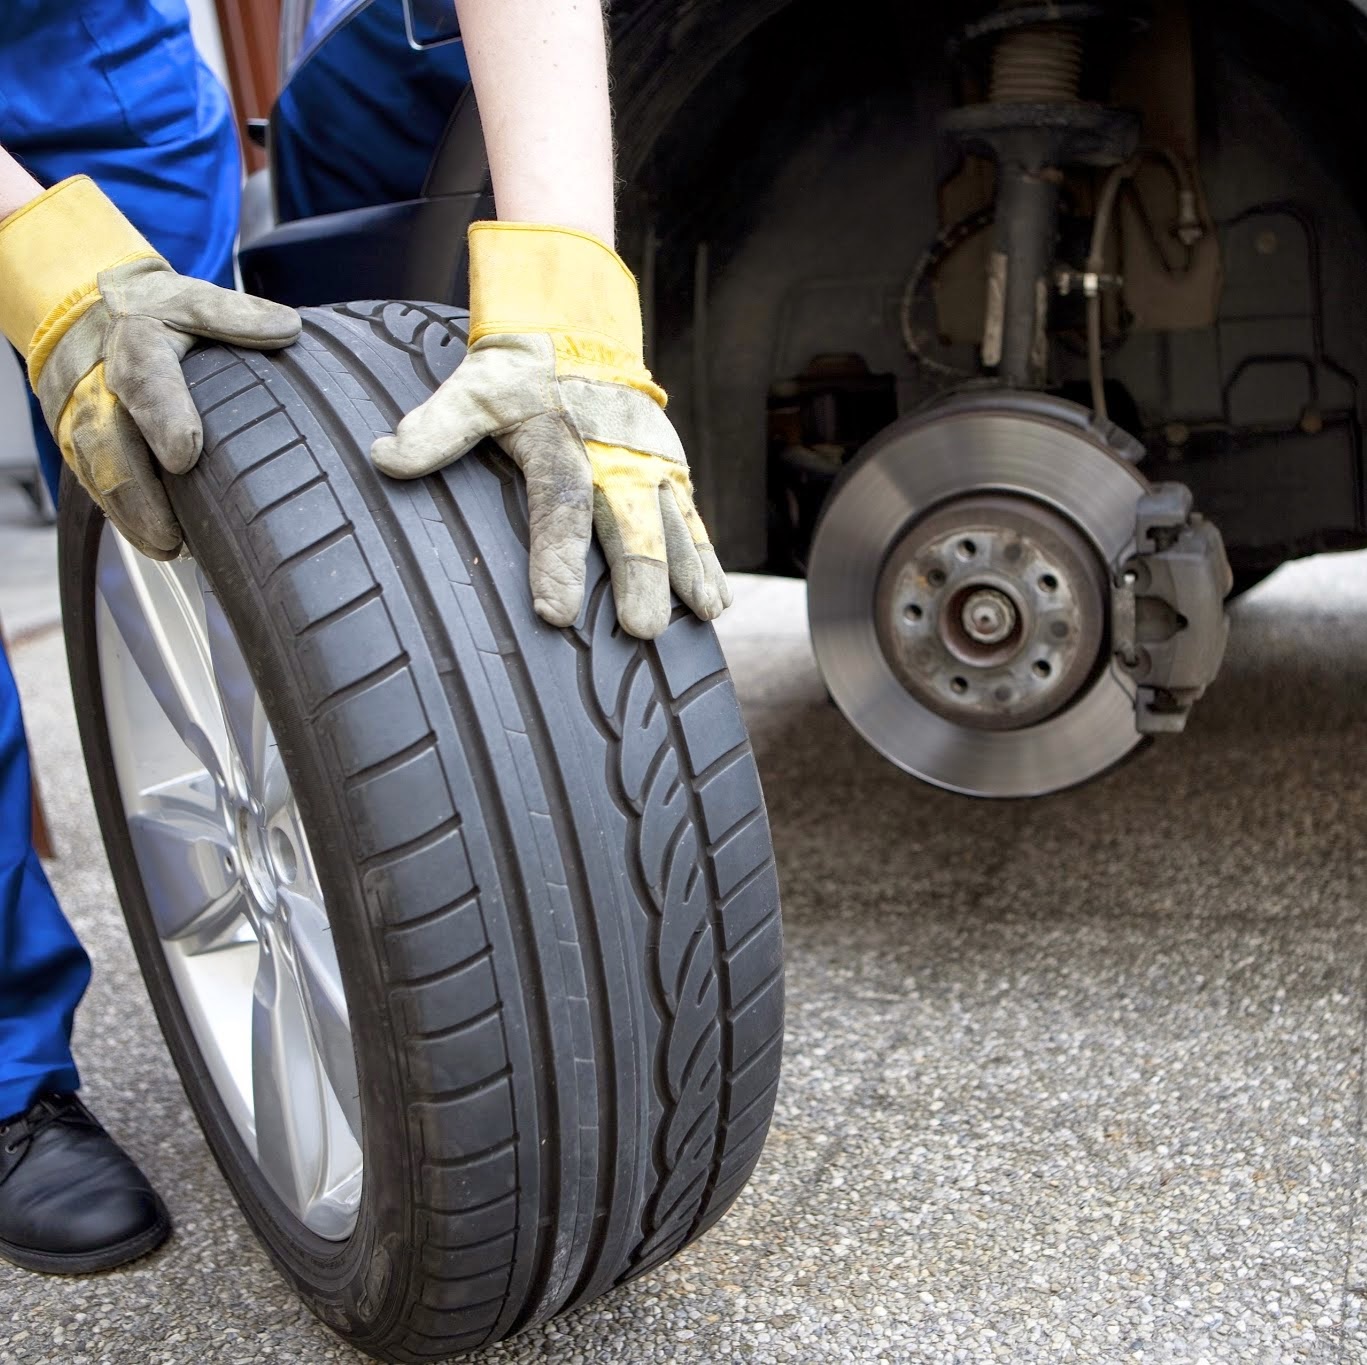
x=283, y=854
x=912, y=612
x=936, y=578
x=967, y=549
x=1042, y=668
x=1048, y=582
x=958, y=686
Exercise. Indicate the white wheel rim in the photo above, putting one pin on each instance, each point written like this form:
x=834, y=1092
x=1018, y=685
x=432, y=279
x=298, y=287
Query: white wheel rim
x=229, y=879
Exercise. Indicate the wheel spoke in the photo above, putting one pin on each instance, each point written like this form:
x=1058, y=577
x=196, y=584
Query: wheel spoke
x=248, y=729
x=158, y=626
x=291, y=1126
x=275, y=785
x=193, y=888
x=315, y=958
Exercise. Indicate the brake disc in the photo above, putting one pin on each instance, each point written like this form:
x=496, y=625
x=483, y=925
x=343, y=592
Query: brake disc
x=972, y=596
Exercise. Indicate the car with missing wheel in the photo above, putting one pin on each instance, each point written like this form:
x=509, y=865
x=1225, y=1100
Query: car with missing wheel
x=1025, y=332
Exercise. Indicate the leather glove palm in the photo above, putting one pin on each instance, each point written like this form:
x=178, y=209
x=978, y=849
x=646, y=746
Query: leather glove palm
x=103, y=324
x=555, y=374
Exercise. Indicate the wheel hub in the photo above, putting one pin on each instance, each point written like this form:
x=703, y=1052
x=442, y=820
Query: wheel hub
x=991, y=611
x=988, y=616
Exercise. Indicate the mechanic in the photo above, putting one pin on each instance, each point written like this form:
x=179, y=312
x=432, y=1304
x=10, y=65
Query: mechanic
x=113, y=90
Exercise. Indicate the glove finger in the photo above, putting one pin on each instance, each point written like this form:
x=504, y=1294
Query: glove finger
x=640, y=582
x=695, y=569
x=144, y=518
x=688, y=575
x=143, y=372
x=721, y=585
x=491, y=393
x=560, y=513
x=111, y=460
x=206, y=310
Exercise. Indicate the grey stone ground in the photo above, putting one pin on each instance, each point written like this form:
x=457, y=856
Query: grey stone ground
x=1071, y=1080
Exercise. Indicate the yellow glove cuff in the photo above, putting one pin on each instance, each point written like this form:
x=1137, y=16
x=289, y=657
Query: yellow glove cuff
x=51, y=251
x=528, y=277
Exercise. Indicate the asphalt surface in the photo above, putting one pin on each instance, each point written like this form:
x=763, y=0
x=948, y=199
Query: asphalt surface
x=1070, y=1080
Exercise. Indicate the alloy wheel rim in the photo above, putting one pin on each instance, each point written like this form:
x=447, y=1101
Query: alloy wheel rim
x=230, y=879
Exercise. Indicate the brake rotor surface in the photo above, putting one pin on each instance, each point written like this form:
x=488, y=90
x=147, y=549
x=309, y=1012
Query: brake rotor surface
x=958, y=596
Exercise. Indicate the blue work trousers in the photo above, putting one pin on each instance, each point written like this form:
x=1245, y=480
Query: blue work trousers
x=112, y=89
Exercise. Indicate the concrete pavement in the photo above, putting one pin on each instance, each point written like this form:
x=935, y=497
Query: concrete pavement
x=1069, y=1080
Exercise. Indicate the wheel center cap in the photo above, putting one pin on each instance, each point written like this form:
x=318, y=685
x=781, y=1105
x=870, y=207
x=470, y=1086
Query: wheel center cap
x=253, y=858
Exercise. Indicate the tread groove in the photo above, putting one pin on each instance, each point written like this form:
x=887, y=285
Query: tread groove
x=750, y=935
x=398, y=852
x=434, y=916
x=316, y=547
x=369, y=595
x=451, y=969
x=580, y=894
x=754, y=994
x=745, y=882
x=392, y=762
x=691, y=693
x=738, y=827
x=757, y=1054
x=738, y=750
x=456, y=1163
x=288, y=496
x=237, y=433
x=465, y=1092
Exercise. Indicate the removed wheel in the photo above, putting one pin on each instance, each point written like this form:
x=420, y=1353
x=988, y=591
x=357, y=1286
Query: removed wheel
x=463, y=931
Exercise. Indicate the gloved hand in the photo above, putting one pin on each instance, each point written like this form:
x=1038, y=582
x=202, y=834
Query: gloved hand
x=555, y=374
x=103, y=324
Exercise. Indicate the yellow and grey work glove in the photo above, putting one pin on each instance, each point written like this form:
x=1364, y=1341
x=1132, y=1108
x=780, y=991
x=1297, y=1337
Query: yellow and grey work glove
x=103, y=324
x=555, y=374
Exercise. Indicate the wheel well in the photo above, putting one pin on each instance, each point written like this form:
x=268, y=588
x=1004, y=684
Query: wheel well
x=785, y=174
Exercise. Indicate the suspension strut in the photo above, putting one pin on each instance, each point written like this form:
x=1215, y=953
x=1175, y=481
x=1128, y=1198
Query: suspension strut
x=1034, y=123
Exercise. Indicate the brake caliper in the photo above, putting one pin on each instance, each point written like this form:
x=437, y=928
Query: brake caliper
x=1169, y=627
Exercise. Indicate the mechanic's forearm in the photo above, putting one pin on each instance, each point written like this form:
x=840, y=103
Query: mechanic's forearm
x=17, y=186
x=539, y=69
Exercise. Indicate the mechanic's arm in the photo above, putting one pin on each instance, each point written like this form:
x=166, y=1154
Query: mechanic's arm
x=103, y=323
x=540, y=73
x=555, y=371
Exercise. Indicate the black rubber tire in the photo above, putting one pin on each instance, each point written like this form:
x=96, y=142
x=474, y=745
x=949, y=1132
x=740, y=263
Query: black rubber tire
x=545, y=855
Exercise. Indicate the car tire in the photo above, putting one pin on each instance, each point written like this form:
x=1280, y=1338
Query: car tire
x=543, y=854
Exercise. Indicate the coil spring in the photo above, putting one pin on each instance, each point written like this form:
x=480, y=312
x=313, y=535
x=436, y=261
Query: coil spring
x=1041, y=64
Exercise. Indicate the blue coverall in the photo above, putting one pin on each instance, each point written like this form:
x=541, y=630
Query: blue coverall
x=113, y=89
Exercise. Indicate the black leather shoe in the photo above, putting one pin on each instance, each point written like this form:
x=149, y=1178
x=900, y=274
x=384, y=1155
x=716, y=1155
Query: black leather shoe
x=70, y=1201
